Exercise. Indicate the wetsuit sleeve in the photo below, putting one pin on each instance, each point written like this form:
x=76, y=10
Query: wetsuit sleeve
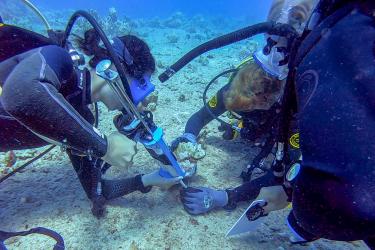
x=251, y=189
x=201, y=118
x=89, y=174
x=31, y=95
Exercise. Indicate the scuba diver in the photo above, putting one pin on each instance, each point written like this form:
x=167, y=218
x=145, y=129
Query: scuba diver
x=255, y=85
x=46, y=97
x=44, y=100
x=252, y=94
x=333, y=74
x=330, y=93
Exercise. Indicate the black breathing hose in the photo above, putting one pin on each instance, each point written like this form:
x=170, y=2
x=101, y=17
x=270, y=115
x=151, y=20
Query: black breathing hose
x=284, y=30
x=222, y=122
x=115, y=60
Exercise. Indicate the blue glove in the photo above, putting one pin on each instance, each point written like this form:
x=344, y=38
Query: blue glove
x=186, y=137
x=202, y=200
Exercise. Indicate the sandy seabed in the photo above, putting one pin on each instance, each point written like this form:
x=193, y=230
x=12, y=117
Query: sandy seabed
x=49, y=194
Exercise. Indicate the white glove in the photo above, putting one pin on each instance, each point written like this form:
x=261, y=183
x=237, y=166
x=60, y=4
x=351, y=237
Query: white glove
x=154, y=179
x=120, y=150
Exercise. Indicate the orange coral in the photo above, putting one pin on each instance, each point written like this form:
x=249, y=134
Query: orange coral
x=10, y=159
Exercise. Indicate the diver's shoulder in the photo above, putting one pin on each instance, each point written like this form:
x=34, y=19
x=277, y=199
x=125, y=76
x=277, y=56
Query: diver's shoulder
x=56, y=52
x=58, y=59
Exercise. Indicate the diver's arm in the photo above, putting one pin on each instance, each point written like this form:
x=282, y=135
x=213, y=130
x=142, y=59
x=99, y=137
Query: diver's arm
x=194, y=199
x=201, y=118
x=251, y=189
x=89, y=174
x=31, y=95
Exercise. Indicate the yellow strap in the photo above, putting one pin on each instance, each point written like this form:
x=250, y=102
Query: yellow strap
x=249, y=59
x=1, y=90
x=212, y=102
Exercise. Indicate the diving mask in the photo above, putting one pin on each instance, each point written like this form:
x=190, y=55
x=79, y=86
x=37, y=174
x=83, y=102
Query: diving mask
x=139, y=88
x=270, y=63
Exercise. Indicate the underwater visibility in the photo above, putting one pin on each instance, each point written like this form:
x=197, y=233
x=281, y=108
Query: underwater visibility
x=159, y=124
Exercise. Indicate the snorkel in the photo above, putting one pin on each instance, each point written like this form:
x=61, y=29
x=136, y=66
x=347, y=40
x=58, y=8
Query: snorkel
x=129, y=95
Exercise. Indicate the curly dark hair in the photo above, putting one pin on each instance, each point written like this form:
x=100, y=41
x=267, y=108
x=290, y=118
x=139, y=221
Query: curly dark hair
x=143, y=61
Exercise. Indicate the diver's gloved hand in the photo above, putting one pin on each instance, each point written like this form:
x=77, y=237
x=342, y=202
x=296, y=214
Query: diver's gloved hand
x=120, y=150
x=154, y=179
x=186, y=137
x=275, y=196
x=202, y=200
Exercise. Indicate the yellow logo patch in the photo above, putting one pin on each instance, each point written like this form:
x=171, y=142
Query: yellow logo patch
x=294, y=140
x=213, y=102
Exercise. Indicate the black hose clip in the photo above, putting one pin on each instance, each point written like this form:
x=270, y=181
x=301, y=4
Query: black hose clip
x=284, y=30
x=168, y=73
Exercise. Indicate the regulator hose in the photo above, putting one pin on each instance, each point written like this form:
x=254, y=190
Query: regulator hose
x=205, y=103
x=272, y=28
x=115, y=60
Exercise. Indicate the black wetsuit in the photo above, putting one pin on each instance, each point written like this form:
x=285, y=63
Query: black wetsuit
x=202, y=117
x=44, y=96
x=334, y=193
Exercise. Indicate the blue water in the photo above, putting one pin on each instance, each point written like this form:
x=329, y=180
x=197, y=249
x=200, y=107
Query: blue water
x=155, y=220
x=235, y=14
x=252, y=9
